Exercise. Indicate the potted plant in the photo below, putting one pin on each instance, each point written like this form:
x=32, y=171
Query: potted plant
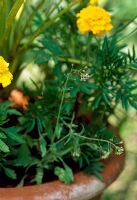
x=59, y=126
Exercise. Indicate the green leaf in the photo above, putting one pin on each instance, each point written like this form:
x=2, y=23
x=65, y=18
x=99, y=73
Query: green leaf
x=74, y=91
x=130, y=82
x=31, y=125
x=14, y=112
x=10, y=172
x=58, y=130
x=124, y=102
x=95, y=168
x=134, y=64
x=43, y=59
x=90, y=85
x=39, y=175
x=98, y=175
x=4, y=147
x=43, y=147
x=106, y=98
x=2, y=16
x=107, y=134
x=24, y=157
x=12, y=133
x=133, y=104
x=2, y=135
x=134, y=53
x=49, y=132
x=67, y=107
x=39, y=125
x=65, y=175
x=105, y=43
x=11, y=17
x=21, y=183
x=85, y=89
x=52, y=46
x=97, y=101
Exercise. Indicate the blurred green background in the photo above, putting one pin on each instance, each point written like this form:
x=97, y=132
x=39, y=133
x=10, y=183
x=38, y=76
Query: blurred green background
x=125, y=187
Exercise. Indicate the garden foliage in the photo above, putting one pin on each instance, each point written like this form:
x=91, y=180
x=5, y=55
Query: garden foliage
x=65, y=126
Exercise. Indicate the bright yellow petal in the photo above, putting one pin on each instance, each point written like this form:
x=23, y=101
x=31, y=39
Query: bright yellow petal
x=5, y=75
x=3, y=65
x=94, y=19
x=5, y=78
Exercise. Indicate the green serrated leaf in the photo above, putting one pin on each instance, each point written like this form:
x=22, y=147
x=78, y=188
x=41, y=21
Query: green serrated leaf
x=39, y=175
x=65, y=175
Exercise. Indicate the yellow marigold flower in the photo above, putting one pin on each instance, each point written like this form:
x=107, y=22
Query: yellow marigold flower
x=5, y=75
x=94, y=19
x=93, y=2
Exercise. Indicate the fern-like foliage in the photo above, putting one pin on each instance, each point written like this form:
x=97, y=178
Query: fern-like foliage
x=114, y=76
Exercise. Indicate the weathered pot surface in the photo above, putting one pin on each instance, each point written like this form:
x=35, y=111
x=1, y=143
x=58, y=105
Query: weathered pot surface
x=83, y=188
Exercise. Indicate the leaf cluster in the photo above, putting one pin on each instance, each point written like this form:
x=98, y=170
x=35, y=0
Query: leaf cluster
x=50, y=135
x=114, y=76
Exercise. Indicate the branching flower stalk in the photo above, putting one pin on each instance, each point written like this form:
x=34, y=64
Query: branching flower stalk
x=61, y=104
x=99, y=140
x=118, y=149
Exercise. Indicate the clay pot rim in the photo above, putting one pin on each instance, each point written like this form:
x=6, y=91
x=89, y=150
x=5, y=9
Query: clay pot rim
x=83, y=188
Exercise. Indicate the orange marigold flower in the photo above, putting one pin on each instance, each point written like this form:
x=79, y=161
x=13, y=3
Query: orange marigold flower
x=19, y=99
x=94, y=19
x=5, y=75
x=93, y=2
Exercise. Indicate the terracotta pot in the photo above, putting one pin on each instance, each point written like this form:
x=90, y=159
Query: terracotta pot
x=83, y=188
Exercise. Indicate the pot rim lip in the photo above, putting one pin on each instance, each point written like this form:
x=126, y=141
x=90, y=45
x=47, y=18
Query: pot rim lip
x=112, y=169
x=83, y=188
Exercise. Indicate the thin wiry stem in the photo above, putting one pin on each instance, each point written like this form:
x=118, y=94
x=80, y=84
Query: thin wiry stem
x=61, y=104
